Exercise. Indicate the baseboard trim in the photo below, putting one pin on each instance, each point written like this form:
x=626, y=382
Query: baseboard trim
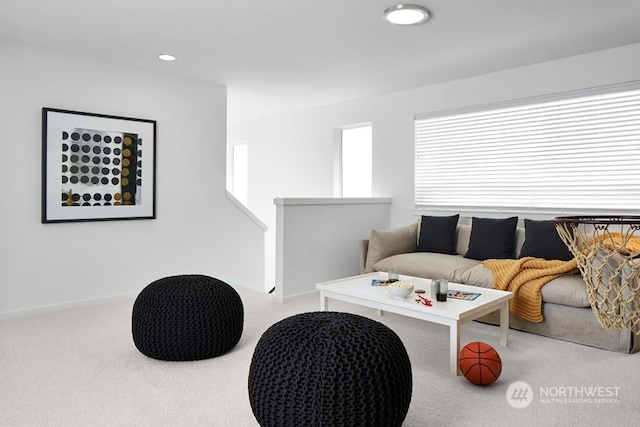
x=60, y=307
x=290, y=298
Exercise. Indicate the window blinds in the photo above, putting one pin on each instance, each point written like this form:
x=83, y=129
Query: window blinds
x=567, y=155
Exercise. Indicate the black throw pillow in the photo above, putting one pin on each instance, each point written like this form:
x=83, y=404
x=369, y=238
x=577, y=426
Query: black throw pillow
x=438, y=234
x=492, y=238
x=541, y=240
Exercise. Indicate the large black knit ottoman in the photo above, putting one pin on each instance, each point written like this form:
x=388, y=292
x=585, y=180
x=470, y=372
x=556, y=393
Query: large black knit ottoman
x=190, y=317
x=330, y=369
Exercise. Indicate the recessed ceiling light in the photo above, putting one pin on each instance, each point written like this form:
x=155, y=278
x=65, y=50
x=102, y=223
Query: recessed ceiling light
x=167, y=57
x=406, y=14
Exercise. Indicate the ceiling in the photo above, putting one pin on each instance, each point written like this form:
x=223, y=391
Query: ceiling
x=281, y=55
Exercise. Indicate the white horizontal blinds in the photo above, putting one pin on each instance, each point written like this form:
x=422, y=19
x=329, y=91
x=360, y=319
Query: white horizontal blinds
x=573, y=154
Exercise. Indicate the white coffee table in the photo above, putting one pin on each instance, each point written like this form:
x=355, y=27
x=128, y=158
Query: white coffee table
x=453, y=312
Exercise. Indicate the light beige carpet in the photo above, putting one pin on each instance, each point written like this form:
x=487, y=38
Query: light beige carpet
x=79, y=367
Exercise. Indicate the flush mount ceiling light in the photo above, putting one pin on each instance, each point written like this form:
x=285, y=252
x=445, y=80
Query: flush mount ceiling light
x=167, y=57
x=406, y=14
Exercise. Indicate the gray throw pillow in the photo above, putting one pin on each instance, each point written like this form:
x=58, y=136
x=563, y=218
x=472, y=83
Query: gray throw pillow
x=385, y=243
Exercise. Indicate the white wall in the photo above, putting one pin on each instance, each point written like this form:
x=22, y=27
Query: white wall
x=197, y=230
x=317, y=239
x=291, y=155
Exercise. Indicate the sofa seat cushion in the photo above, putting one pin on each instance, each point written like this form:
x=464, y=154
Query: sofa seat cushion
x=429, y=265
x=478, y=275
x=566, y=290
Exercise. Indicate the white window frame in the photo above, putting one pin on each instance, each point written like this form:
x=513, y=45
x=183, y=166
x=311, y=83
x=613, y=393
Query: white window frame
x=338, y=160
x=469, y=208
x=231, y=181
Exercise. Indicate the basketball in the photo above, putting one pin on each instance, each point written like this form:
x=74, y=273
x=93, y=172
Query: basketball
x=479, y=363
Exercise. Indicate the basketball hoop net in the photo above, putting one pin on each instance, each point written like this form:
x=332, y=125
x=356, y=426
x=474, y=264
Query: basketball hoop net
x=607, y=250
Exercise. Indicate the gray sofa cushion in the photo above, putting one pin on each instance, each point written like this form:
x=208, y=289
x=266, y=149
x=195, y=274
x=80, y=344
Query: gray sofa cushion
x=463, y=234
x=566, y=290
x=384, y=243
x=429, y=265
x=478, y=275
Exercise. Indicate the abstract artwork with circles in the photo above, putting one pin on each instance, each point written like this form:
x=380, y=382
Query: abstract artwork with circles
x=97, y=167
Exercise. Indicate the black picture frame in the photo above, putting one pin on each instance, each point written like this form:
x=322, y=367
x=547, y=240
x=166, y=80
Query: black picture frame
x=97, y=167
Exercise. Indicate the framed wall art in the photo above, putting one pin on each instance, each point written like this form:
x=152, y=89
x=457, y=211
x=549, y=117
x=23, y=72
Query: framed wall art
x=97, y=167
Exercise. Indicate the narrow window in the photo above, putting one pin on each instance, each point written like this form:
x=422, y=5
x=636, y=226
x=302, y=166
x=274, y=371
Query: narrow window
x=355, y=161
x=240, y=173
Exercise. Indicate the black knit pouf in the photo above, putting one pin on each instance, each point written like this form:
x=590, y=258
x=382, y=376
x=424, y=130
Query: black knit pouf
x=190, y=317
x=330, y=369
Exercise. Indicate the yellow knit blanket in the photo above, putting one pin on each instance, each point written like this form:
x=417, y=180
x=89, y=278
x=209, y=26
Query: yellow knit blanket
x=616, y=242
x=525, y=278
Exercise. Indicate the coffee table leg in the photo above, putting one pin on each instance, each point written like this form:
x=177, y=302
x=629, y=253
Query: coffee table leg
x=324, y=302
x=454, y=348
x=504, y=324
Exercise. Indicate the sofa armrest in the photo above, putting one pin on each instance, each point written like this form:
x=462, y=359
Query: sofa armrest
x=364, y=248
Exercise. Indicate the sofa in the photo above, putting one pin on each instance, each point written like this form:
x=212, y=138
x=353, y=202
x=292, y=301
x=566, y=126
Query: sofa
x=442, y=248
